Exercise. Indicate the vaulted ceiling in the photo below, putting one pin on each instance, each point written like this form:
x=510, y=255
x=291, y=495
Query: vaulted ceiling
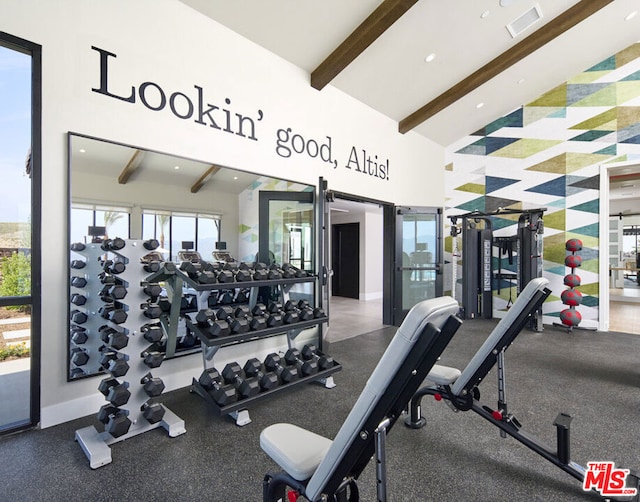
x=488, y=56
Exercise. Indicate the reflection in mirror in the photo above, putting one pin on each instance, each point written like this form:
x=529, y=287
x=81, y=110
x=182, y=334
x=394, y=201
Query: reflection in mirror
x=191, y=211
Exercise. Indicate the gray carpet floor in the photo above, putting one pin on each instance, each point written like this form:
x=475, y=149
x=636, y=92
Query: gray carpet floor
x=595, y=377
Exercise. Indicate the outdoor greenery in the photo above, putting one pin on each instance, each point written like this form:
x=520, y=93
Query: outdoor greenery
x=15, y=276
x=20, y=350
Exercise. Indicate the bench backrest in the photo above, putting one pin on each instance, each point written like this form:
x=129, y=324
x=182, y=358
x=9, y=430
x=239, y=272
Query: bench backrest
x=410, y=355
x=529, y=300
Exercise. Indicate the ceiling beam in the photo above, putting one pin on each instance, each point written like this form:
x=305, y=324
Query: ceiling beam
x=202, y=180
x=130, y=168
x=554, y=28
x=387, y=13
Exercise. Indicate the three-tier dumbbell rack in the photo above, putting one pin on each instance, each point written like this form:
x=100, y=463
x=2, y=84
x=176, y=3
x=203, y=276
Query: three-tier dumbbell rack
x=140, y=355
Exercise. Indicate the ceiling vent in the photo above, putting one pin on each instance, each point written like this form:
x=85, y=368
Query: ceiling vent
x=529, y=18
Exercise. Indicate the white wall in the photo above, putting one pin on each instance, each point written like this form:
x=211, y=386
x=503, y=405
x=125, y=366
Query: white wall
x=165, y=42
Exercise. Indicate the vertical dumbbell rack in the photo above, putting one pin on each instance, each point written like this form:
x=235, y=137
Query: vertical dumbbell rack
x=131, y=405
x=238, y=411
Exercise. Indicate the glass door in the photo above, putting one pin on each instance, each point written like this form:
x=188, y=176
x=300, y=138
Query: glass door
x=286, y=235
x=418, y=258
x=19, y=233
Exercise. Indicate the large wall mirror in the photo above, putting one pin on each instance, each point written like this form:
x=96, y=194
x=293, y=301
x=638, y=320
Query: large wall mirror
x=179, y=208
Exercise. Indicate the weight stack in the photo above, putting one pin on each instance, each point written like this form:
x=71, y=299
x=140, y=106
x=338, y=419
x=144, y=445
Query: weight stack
x=132, y=388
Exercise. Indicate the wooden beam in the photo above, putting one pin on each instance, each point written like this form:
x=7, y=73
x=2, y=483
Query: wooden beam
x=554, y=28
x=387, y=13
x=213, y=169
x=132, y=165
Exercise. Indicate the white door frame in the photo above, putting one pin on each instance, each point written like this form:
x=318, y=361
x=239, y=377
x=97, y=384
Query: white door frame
x=603, y=308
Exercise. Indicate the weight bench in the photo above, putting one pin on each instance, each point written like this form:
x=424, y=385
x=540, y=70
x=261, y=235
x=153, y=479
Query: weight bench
x=460, y=388
x=320, y=469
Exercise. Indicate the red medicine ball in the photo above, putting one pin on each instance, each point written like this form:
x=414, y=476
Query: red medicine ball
x=570, y=317
x=571, y=297
x=573, y=261
x=572, y=280
x=573, y=245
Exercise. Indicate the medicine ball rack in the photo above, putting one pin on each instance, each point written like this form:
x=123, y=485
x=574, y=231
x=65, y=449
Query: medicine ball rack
x=175, y=279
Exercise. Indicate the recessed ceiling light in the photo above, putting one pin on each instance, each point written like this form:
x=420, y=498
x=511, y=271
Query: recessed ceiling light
x=521, y=81
x=176, y=167
x=430, y=58
x=485, y=14
x=235, y=177
x=82, y=150
x=479, y=105
x=631, y=15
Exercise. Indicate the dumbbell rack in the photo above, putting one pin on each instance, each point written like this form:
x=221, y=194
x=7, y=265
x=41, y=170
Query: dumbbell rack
x=94, y=443
x=174, y=281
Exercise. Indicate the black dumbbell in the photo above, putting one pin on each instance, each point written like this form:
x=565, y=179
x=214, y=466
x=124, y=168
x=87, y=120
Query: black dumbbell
x=113, y=313
x=113, y=244
x=292, y=358
x=118, y=423
x=113, y=267
x=115, y=392
x=274, y=315
x=105, y=411
x=297, y=272
x=152, y=412
x=79, y=335
x=225, y=275
x=152, y=290
x=243, y=296
x=291, y=313
x=220, y=393
x=260, y=272
x=287, y=374
x=274, y=272
x=206, y=319
x=151, y=266
x=114, y=362
x=151, y=244
x=79, y=356
x=151, y=332
x=310, y=352
x=226, y=297
x=306, y=312
x=112, y=292
x=113, y=338
x=318, y=312
x=78, y=299
x=152, y=357
x=188, y=340
x=78, y=316
x=151, y=310
x=246, y=387
x=78, y=246
x=78, y=281
x=78, y=264
x=253, y=368
x=153, y=386
x=236, y=324
x=244, y=272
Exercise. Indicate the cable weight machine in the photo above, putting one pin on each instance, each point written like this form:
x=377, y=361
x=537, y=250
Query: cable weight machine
x=478, y=258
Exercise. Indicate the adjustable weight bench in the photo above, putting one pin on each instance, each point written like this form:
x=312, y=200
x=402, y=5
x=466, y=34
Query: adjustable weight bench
x=320, y=469
x=460, y=388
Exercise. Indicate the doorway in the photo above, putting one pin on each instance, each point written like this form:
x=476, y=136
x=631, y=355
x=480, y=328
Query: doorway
x=619, y=228
x=20, y=78
x=345, y=260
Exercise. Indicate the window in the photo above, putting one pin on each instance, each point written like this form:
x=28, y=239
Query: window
x=172, y=229
x=115, y=221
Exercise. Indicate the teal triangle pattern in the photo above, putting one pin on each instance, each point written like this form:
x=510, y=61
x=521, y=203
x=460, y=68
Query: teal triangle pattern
x=493, y=183
x=559, y=114
x=556, y=270
x=592, y=230
x=498, y=223
x=593, y=206
x=476, y=148
x=514, y=119
x=590, y=301
x=590, y=135
x=607, y=64
x=555, y=187
x=610, y=150
x=496, y=143
x=473, y=205
x=633, y=76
